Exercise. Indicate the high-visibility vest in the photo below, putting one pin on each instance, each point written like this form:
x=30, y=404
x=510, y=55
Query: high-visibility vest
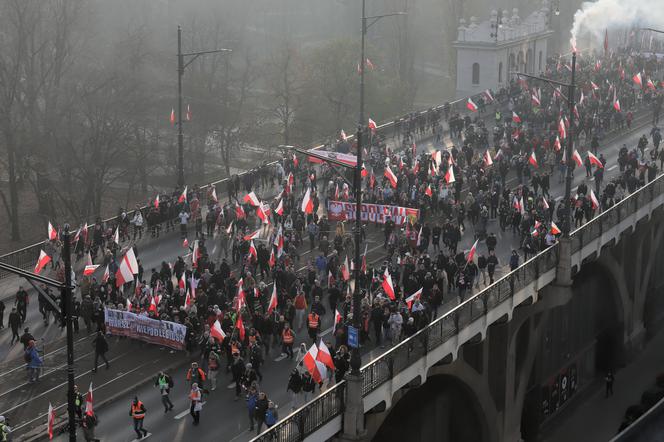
x=287, y=336
x=195, y=395
x=137, y=410
x=313, y=320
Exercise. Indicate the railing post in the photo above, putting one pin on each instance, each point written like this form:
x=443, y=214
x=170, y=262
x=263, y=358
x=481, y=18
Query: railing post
x=353, y=417
x=564, y=268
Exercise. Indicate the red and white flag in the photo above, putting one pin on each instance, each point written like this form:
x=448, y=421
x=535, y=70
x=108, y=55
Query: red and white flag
x=239, y=212
x=616, y=102
x=90, y=269
x=411, y=299
x=172, y=118
x=471, y=253
x=545, y=204
x=487, y=94
x=195, y=255
x=273, y=300
x=372, y=125
x=471, y=106
x=337, y=317
x=42, y=261
x=280, y=208
x=449, y=175
x=251, y=199
x=343, y=135
x=252, y=250
x=324, y=356
x=594, y=86
x=388, y=287
x=183, y=196
x=534, y=99
x=594, y=160
x=213, y=195
x=128, y=268
x=532, y=159
x=637, y=80
x=392, y=178
x=577, y=158
x=594, y=200
x=556, y=144
x=345, y=271
x=229, y=229
x=252, y=235
x=52, y=233
x=156, y=202
x=89, y=402
x=554, y=229
x=107, y=274
x=128, y=304
x=562, y=130
x=51, y=421
x=307, y=202
x=185, y=243
x=515, y=117
x=273, y=259
x=217, y=332
x=188, y=115
x=651, y=85
x=239, y=325
x=428, y=190
x=316, y=369
x=487, y=159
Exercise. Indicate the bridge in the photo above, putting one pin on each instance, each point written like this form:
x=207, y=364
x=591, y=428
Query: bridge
x=481, y=355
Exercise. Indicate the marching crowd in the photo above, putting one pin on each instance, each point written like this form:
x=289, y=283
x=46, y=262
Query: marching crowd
x=249, y=301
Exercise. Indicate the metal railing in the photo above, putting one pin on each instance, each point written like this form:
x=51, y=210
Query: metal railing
x=302, y=423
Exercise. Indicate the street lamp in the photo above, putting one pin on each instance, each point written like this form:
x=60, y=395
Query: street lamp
x=181, y=67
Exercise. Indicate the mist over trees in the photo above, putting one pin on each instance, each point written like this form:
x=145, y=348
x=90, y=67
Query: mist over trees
x=87, y=88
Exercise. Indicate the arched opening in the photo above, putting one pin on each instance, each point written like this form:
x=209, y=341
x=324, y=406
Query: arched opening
x=444, y=408
x=476, y=73
x=500, y=72
x=529, y=61
x=519, y=61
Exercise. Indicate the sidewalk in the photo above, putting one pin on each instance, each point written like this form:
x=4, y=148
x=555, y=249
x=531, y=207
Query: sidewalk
x=597, y=418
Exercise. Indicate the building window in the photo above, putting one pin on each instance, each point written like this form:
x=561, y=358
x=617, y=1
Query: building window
x=512, y=63
x=500, y=72
x=476, y=73
x=540, y=61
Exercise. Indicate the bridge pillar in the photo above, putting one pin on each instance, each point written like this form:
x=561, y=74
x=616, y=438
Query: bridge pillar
x=353, y=423
x=564, y=268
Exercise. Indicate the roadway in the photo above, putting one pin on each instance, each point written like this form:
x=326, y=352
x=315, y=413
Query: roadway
x=224, y=419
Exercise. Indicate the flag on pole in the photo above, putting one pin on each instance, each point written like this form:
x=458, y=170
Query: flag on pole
x=487, y=158
x=217, y=332
x=471, y=106
x=412, y=298
x=594, y=160
x=449, y=175
x=324, y=355
x=51, y=421
x=532, y=159
x=372, y=125
x=313, y=366
x=392, y=178
x=337, y=317
x=637, y=79
x=172, y=119
x=42, y=261
x=273, y=300
x=52, y=232
x=251, y=199
x=183, y=196
x=307, y=202
x=556, y=144
x=89, y=409
x=388, y=287
x=252, y=235
x=345, y=271
x=577, y=158
x=471, y=253
x=594, y=200
x=240, y=327
x=515, y=117
x=487, y=94
x=128, y=268
x=554, y=229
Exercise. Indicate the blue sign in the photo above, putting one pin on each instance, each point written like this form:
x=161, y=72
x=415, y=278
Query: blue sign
x=353, y=340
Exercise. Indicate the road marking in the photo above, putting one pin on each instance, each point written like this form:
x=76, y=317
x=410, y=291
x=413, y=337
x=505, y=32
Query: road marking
x=143, y=438
x=612, y=167
x=186, y=412
x=281, y=357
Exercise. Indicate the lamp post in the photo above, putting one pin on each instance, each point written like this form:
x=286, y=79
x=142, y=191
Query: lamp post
x=181, y=67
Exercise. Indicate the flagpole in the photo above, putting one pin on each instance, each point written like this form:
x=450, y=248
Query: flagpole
x=69, y=303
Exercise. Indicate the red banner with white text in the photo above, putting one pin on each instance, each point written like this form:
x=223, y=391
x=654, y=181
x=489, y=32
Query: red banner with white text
x=375, y=213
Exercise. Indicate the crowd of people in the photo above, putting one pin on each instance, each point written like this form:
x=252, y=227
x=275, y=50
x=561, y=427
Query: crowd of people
x=251, y=287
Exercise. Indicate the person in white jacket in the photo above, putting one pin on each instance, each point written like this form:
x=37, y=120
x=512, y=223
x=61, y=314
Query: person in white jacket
x=137, y=221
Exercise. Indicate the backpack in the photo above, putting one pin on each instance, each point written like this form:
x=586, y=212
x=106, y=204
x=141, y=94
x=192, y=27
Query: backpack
x=170, y=381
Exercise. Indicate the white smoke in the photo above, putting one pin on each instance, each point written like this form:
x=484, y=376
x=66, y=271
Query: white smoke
x=594, y=17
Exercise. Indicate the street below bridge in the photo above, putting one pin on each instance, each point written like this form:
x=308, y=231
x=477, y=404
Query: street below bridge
x=222, y=418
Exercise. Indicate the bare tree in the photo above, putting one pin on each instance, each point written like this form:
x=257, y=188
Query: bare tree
x=284, y=79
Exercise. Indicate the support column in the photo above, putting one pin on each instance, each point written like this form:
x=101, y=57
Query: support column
x=353, y=423
x=564, y=268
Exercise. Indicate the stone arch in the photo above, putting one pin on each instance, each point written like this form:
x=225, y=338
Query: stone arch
x=458, y=381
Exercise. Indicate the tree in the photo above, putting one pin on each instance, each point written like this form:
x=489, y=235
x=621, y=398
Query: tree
x=284, y=79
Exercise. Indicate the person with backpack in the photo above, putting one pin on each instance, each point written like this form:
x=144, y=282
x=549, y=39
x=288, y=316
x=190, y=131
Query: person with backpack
x=34, y=361
x=213, y=368
x=164, y=382
x=271, y=415
x=256, y=359
x=295, y=387
x=196, y=375
x=196, y=397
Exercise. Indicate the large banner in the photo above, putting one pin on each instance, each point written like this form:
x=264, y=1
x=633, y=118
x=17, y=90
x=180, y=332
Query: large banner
x=377, y=213
x=153, y=331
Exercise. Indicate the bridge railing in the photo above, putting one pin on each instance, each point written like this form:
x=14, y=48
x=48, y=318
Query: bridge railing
x=442, y=329
x=26, y=257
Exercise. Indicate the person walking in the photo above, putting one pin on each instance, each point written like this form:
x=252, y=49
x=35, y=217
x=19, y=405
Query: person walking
x=137, y=413
x=14, y=321
x=101, y=347
x=213, y=368
x=89, y=423
x=34, y=361
x=252, y=399
x=295, y=387
x=196, y=375
x=5, y=430
x=609, y=378
x=164, y=382
x=196, y=403
x=287, y=339
x=261, y=409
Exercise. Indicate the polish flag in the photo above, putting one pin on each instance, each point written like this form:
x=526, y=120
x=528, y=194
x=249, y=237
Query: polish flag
x=419, y=237
x=296, y=162
x=314, y=367
x=388, y=287
x=188, y=300
x=594, y=86
x=252, y=235
x=545, y=204
x=240, y=327
x=185, y=243
x=372, y=125
x=400, y=163
x=307, y=202
x=581, y=98
x=428, y=190
x=471, y=105
x=239, y=212
x=273, y=300
x=577, y=158
x=576, y=112
x=280, y=208
x=182, y=283
x=183, y=197
x=107, y=274
x=391, y=176
x=637, y=80
x=471, y=253
x=616, y=102
x=128, y=304
x=594, y=160
x=156, y=202
x=188, y=115
x=487, y=159
x=337, y=317
x=650, y=84
x=324, y=356
x=195, y=255
x=116, y=235
x=345, y=273
x=214, y=195
x=498, y=155
x=52, y=233
x=556, y=144
x=89, y=269
x=51, y=421
x=532, y=159
x=251, y=199
x=279, y=242
x=217, y=332
x=273, y=259
x=535, y=100
x=515, y=117
x=562, y=130
x=416, y=166
x=363, y=267
x=153, y=305
x=42, y=261
x=364, y=172
x=336, y=192
x=411, y=299
x=343, y=135
x=330, y=279
x=594, y=200
x=449, y=175
x=229, y=229
x=433, y=169
x=172, y=119
x=89, y=401
x=554, y=229
x=128, y=268
x=517, y=204
x=252, y=250
x=487, y=94
x=263, y=212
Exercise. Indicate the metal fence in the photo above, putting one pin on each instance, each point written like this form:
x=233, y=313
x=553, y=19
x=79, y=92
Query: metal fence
x=302, y=423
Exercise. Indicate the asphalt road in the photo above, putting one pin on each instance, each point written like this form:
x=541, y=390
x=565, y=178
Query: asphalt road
x=224, y=419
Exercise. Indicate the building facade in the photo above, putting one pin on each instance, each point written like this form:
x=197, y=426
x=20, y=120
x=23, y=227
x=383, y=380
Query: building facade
x=489, y=51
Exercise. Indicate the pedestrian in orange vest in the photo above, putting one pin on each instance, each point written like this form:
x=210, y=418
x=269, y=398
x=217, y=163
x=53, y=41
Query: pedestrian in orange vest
x=137, y=412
